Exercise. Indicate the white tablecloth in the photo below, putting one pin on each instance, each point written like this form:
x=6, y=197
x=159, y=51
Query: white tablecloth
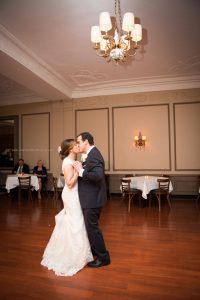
x=12, y=182
x=146, y=184
x=61, y=182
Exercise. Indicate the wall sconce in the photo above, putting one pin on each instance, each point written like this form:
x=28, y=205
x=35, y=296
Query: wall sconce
x=140, y=141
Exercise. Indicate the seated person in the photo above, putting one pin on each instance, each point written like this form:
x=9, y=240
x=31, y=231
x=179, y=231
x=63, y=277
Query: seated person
x=41, y=173
x=21, y=168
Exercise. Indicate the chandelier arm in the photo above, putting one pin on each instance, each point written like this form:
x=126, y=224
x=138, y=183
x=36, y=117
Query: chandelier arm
x=102, y=53
x=131, y=54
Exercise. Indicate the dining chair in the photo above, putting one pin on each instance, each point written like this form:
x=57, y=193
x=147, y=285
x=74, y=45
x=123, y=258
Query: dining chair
x=198, y=196
x=107, y=180
x=163, y=190
x=165, y=176
x=131, y=193
x=57, y=190
x=197, y=199
x=24, y=185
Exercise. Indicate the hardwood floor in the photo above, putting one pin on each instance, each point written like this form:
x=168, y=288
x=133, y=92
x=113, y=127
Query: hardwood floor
x=154, y=255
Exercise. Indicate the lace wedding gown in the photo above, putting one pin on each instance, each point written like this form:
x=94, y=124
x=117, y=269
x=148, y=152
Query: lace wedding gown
x=68, y=249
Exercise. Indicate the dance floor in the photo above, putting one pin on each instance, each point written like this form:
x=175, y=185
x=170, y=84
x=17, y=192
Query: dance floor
x=154, y=255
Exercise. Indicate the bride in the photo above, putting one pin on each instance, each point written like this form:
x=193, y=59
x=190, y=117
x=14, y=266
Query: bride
x=68, y=249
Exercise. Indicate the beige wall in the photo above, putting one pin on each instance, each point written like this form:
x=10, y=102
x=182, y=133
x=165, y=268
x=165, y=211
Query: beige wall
x=169, y=119
x=153, y=122
x=187, y=136
x=95, y=121
x=35, y=138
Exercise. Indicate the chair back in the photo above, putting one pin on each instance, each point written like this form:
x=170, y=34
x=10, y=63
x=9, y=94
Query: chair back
x=57, y=190
x=163, y=184
x=125, y=185
x=55, y=182
x=24, y=182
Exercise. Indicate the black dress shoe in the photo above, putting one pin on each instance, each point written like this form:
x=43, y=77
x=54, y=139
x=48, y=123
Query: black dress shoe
x=98, y=263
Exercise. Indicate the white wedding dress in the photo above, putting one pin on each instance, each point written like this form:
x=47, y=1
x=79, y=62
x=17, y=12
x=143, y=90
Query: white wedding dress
x=68, y=249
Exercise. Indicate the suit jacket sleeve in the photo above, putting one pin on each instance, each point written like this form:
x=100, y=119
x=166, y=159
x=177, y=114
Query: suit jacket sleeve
x=26, y=169
x=94, y=167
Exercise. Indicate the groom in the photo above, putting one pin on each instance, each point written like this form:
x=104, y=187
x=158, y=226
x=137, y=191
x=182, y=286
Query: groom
x=92, y=194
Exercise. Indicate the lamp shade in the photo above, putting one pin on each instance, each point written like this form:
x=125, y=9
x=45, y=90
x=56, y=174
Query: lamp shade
x=105, y=21
x=136, y=34
x=95, y=34
x=128, y=22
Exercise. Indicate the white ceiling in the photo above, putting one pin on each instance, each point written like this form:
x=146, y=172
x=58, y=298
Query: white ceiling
x=46, y=53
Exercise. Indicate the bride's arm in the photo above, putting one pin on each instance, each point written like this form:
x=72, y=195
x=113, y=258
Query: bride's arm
x=70, y=176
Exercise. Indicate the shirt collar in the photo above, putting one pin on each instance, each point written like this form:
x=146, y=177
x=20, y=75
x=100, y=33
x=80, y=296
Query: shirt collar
x=90, y=149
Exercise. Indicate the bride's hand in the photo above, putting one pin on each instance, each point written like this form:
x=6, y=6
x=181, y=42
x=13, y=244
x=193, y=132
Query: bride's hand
x=77, y=165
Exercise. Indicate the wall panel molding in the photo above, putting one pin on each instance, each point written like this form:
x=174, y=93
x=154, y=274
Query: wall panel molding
x=35, y=138
x=95, y=121
x=154, y=122
x=186, y=136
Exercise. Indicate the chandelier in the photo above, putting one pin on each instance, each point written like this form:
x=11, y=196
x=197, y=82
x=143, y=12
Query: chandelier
x=124, y=40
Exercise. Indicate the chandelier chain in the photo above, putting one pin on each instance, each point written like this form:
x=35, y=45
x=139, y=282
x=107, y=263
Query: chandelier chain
x=118, y=17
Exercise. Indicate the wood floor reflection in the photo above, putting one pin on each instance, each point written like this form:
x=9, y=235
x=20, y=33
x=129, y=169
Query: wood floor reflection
x=154, y=255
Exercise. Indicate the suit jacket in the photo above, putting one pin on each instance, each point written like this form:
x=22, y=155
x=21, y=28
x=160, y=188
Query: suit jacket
x=92, y=186
x=25, y=168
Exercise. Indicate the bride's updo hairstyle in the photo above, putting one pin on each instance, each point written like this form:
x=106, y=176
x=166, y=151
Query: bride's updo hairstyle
x=66, y=146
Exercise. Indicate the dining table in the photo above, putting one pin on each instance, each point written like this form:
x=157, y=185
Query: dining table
x=61, y=181
x=146, y=183
x=12, y=181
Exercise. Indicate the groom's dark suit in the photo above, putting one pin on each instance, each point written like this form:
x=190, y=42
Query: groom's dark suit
x=93, y=196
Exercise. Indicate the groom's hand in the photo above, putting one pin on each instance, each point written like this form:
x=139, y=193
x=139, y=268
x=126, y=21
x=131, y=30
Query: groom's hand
x=77, y=165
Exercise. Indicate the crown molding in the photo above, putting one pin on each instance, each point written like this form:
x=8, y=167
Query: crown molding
x=25, y=99
x=15, y=49
x=135, y=86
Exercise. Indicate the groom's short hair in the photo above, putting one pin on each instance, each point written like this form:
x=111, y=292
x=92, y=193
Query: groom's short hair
x=87, y=136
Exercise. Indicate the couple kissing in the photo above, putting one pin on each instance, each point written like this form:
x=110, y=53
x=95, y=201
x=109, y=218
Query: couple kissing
x=77, y=240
